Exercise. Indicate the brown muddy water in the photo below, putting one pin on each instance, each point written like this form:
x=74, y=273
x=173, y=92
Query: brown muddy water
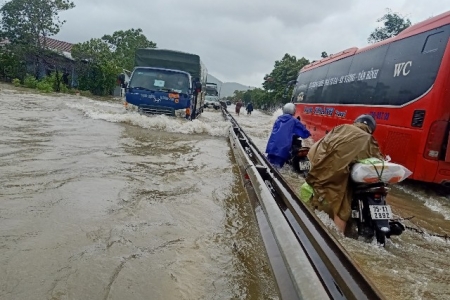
x=100, y=203
x=97, y=202
x=411, y=266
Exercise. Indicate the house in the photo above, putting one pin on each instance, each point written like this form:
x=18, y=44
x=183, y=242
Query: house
x=61, y=61
x=58, y=59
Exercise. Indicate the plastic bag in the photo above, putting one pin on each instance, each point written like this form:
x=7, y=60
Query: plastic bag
x=373, y=170
x=306, y=192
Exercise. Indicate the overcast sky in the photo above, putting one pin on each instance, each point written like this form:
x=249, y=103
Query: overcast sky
x=239, y=40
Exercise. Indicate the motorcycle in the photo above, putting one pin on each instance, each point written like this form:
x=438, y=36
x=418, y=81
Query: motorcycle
x=371, y=216
x=298, y=156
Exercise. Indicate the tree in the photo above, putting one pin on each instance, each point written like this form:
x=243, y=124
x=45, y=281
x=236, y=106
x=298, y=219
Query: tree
x=393, y=25
x=25, y=24
x=25, y=21
x=96, y=66
x=284, y=71
x=101, y=60
x=95, y=50
x=125, y=43
x=324, y=54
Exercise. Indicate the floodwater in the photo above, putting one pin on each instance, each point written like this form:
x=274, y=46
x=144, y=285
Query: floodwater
x=411, y=266
x=97, y=202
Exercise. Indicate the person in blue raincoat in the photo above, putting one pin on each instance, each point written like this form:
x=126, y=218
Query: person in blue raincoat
x=280, y=140
x=249, y=108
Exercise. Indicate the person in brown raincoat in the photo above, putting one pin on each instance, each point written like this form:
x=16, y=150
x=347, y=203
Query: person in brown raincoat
x=331, y=158
x=238, y=107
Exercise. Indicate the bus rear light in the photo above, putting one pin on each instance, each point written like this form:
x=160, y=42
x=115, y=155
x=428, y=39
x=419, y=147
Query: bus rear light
x=435, y=140
x=433, y=153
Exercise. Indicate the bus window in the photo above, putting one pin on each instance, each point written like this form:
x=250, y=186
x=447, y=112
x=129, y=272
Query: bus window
x=299, y=93
x=334, y=92
x=434, y=42
x=316, y=83
x=408, y=72
x=365, y=68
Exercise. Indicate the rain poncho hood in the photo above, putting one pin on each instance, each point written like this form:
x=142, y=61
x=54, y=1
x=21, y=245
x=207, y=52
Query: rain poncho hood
x=280, y=140
x=331, y=158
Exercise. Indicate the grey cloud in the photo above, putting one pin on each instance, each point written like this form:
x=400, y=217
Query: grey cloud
x=240, y=40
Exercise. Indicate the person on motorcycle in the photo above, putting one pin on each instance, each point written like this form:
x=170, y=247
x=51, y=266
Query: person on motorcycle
x=331, y=158
x=280, y=140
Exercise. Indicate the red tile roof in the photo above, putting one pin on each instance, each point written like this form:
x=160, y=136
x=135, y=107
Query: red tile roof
x=57, y=45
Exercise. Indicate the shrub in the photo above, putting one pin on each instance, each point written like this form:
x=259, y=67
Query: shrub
x=85, y=93
x=30, y=81
x=63, y=88
x=45, y=86
x=16, y=82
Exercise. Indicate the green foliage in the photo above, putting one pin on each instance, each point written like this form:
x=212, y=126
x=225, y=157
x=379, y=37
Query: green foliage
x=324, y=54
x=45, y=86
x=24, y=21
x=92, y=51
x=98, y=77
x=284, y=71
x=11, y=66
x=30, y=81
x=16, y=82
x=124, y=43
x=393, y=25
x=101, y=60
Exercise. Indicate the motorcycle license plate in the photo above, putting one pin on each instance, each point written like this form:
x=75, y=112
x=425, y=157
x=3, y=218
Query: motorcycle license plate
x=304, y=165
x=380, y=212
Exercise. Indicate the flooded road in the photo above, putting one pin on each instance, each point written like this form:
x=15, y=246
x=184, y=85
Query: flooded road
x=100, y=203
x=412, y=266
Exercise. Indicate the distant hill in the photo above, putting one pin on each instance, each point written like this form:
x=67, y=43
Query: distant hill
x=227, y=88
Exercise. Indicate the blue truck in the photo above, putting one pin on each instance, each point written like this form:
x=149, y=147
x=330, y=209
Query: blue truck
x=167, y=82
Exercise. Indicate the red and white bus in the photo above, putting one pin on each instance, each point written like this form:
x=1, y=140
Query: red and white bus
x=403, y=82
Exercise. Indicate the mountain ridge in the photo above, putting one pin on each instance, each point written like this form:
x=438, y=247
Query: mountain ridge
x=227, y=88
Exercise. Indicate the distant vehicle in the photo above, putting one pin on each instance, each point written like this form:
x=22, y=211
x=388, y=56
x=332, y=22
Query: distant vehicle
x=228, y=102
x=211, y=96
x=211, y=103
x=403, y=82
x=167, y=82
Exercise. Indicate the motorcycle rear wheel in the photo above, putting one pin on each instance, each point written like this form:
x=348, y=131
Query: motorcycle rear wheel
x=381, y=237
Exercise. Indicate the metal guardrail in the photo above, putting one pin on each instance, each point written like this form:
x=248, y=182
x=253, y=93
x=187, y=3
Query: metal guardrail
x=338, y=275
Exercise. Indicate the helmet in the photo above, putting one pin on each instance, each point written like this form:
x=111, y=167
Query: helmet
x=289, y=108
x=368, y=120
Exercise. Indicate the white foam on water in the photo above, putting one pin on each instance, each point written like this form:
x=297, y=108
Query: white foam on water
x=432, y=204
x=115, y=113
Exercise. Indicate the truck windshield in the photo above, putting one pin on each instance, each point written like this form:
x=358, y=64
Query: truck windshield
x=211, y=92
x=160, y=80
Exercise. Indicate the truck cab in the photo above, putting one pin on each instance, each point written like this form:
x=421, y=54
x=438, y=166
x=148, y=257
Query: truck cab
x=160, y=91
x=167, y=82
x=212, y=96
